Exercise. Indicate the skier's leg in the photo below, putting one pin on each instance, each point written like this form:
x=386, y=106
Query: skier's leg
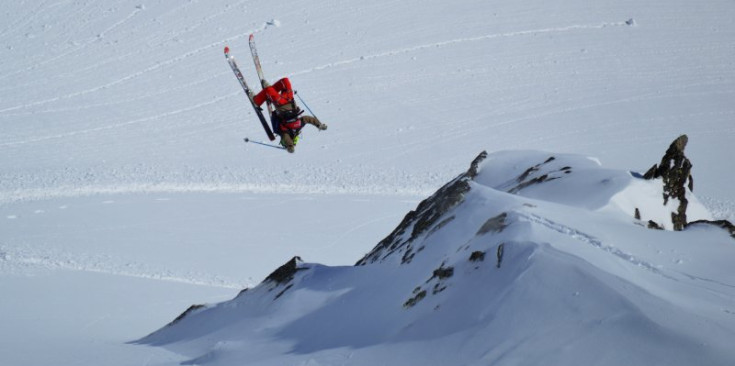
x=314, y=121
x=287, y=142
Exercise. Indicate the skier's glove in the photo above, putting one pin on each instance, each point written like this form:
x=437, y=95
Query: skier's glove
x=322, y=127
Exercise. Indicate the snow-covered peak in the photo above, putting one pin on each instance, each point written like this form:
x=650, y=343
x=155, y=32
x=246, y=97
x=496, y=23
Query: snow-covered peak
x=525, y=258
x=567, y=179
x=576, y=181
x=582, y=182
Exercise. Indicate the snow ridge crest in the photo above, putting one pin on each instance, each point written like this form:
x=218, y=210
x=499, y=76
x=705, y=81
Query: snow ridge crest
x=521, y=245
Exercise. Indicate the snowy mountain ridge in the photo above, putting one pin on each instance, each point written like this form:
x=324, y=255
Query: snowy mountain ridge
x=527, y=257
x=127, y=193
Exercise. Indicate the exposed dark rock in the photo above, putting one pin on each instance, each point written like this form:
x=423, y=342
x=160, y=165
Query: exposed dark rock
x=426, y=215
x=443, y=272
x=495, y=224
x=185, y=314
x=283, y=275
x=675, y=169
x=536, y=180
x=528, y=172
x=408, y=255
x=651, y=173
x=501, y=250
x=691, y=183
x=724, y=224
x=414, y=300
x=283, y=291
x=477, y=256
x=285, y=272
x=441, y=224
x=654, y=225
x=242, y=292
x=440, y=274
x=439, y=287
x=525, y=181
x=637, y=214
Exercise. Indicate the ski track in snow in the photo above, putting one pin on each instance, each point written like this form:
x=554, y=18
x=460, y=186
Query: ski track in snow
x=210, y=46
x=123, y=124
x=108, y=85
x=48, y=60
x=130, y=16
x=451, y=42
x=621, y=101
x=134, y=75
x=19, y=261
x=160, y=65
x=590, y=240
x=21, y=21
x=121, y=101
x=77, y=48
x=194, y=52
x=101, y=35
x=85, y=43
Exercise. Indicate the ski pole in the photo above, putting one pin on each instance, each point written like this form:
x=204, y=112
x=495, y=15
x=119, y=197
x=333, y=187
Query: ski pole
x=264, y=144
x=304, y=103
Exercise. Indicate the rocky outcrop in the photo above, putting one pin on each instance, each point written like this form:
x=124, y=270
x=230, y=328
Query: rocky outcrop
x=675, y=170
x=477, y=256
x=495, y=224
x=531, y=177
x=191, y=310
x=283, y=276
x=654, y=225
x=724, y=224
x=286, y=272
x=426, y=216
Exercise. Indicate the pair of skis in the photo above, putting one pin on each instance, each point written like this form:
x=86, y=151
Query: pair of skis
x=248, y=91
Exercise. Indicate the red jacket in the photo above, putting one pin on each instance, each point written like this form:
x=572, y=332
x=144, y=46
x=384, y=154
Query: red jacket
x=278, y=94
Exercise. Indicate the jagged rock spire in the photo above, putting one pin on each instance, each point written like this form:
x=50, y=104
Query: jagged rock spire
x=675, y=169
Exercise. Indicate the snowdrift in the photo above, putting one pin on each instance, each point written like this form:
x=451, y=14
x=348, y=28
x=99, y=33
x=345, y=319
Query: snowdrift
x=526, y=258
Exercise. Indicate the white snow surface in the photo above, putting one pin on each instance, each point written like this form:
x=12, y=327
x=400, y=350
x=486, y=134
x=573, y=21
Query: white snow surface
x=560, y=283
x=127, y=193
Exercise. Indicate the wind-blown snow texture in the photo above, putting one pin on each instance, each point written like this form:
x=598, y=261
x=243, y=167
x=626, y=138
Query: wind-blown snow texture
x=127, y=194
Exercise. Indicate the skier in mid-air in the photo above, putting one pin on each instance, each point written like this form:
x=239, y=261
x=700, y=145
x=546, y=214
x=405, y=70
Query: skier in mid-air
x=286, y=119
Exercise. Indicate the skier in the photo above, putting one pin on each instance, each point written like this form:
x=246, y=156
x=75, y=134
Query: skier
x=286, y=119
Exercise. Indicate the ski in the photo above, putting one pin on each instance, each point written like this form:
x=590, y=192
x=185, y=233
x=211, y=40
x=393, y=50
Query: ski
x=265, y=144
x=248, y=92
x=258, y=68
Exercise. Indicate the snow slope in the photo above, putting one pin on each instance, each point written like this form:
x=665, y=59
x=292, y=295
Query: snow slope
x=512, y=273
x=135, y=96
x=122, y=164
